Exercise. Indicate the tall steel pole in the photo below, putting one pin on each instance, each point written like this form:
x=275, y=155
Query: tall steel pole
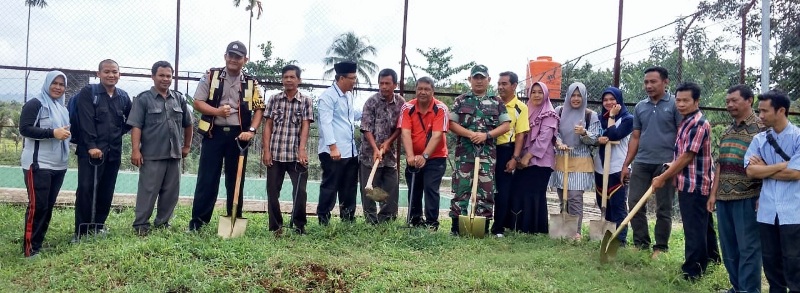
x=765, y=36
x=402, y=70
x=618, y=58
x=177, y=43
x=403, y=51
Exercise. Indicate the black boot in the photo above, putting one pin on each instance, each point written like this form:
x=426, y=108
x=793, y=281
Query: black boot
x=454, y=228
x=486, y=231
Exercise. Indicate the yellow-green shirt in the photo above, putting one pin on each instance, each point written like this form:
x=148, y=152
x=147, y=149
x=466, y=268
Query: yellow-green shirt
x=518, y=112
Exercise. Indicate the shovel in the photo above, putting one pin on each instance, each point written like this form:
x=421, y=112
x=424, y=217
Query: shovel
x=373, y=193
x=598, y=228
x=610, y=243
x=92, y=228
x=472, y=225
x=563, y=225
x=233, y=225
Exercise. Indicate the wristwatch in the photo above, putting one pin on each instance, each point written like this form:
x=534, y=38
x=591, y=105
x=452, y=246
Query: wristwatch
x=425, y=156
x=252, y=129
x=517, y=158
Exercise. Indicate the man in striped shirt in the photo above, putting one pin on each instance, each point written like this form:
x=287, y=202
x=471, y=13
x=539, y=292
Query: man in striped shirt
x=735, y=196
x=693, y=167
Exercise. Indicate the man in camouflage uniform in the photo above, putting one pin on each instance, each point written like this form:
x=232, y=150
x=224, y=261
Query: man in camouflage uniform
x=476, y=118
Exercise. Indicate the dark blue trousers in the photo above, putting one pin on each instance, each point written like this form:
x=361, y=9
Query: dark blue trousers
x=617, y=209
x=740, y=241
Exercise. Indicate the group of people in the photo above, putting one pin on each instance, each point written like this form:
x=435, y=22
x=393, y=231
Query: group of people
x=664, y=144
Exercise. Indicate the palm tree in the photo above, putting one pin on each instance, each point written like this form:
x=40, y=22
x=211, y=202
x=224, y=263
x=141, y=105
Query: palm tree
x=252, y=4
x=349, y=47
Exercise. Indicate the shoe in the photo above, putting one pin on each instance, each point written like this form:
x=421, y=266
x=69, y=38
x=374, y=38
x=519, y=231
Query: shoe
x=164, y=226
x=577, y=237
x=33, y=256
x=300, y=231
x=141, y=231
x=499, y=235
x=656, y=253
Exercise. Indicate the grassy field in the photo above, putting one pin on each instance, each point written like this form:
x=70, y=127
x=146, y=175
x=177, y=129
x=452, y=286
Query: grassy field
x=339, y=258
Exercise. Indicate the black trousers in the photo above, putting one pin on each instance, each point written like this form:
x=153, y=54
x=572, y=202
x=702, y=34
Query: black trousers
x=299, y=176
x=221, y=147
x=338, y=178
x=43, y=186
x=502, y=179
x=700, y=237
x=106, y=182
x=781, y=253
x=641, y=177
x=426, y=185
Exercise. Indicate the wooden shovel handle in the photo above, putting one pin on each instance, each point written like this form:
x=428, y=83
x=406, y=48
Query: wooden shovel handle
x=236, y=189
x=565, y=190
x=633, y=211
x=606, y=173
x=372, y=174
x=474, y=195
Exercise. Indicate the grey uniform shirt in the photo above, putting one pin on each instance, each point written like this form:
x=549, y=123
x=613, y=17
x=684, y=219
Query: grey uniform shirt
x=230, y=96
x=658, y=124
x=162, y=122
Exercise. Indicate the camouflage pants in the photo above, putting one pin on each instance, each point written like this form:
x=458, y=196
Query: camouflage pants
x=462, y=188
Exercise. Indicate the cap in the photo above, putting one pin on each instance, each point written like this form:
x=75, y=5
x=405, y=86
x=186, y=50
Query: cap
x=479, y=70
x=345, y=67
x=237, y=48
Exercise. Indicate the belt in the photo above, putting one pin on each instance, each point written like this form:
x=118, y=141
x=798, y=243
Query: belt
x=227, y=128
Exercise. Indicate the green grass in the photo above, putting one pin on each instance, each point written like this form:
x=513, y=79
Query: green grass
x=339, y=258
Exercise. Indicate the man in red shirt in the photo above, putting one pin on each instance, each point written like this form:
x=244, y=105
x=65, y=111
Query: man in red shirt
x=423, y=122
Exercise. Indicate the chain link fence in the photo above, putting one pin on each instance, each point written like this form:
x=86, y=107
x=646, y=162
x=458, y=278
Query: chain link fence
x=76, y=35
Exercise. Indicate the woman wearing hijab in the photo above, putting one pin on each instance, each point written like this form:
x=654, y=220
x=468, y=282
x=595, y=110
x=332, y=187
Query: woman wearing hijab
x=44, y=122
x=574, y=137
x=616, y=125
x=530, y=180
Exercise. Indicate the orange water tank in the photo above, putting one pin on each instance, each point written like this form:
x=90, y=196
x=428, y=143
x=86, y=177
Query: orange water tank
x=544, y=69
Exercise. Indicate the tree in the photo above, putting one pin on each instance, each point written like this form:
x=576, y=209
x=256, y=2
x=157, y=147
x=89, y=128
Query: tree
x=784, y=29
x=349, y=47
x=251, y=4
x=269, y=68
x=595, y=80
x=439, y=64
x=36, y=3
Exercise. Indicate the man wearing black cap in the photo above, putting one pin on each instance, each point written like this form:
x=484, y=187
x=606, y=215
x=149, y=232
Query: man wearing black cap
x=337, y=147
x=477, y=118
x=231, y=107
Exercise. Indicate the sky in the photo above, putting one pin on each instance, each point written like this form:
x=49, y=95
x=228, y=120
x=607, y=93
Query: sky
x=501, y=34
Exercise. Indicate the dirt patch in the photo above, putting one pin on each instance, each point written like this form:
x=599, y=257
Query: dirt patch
x=317, y=276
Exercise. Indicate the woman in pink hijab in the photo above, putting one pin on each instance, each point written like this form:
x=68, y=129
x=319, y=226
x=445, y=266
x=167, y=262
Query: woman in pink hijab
x=534, y=168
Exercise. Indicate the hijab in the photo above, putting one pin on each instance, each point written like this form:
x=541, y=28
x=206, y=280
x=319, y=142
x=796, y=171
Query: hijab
x=55, y=106
x=571, y=117
x=542, y=115
x=623, y=112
